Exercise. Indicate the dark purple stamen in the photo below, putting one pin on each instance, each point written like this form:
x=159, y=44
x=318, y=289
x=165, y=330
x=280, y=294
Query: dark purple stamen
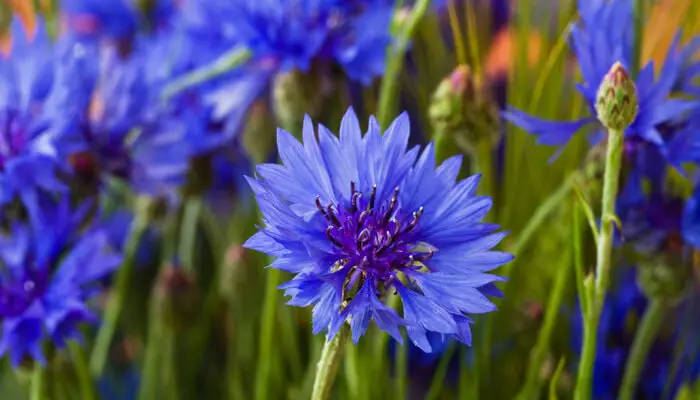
x=371, y=240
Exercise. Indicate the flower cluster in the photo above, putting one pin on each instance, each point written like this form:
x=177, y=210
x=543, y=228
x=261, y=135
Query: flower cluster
x=359, y=219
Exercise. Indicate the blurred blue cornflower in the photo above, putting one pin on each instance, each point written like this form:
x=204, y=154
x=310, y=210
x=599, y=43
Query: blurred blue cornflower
x=665, y=368
x=27, y=158
x=117, y=20
x=605, y=36
x=284, y=35
x=49, y=267
x=119, y=126
x=358, y=219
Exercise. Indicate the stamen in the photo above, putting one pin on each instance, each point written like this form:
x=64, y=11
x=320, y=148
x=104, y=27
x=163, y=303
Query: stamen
x=414, y=221
x=425, y=256
x=392, y=206
x=372, y=197
x=320, y=207
x=362, y=238
x=352, y=188
x=331, y=238
x=355, y=197
x=331, y=216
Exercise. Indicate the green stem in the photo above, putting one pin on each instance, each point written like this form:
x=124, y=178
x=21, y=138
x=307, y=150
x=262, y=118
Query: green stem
x=266, y=334
x=613, y=160
x=87, y=387
x=352, y=377
x=328, y=364
x=395, y=57
x=440, y=372
x=532, y=386
x=115, y=302
x=37, y=390
x=227, y=62
x=401, y=367
x=150, y=375
x=188, y=232
x=643, y=339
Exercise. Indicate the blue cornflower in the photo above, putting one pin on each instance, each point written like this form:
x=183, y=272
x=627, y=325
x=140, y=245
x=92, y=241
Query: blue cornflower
x=605, y=36
x=122, y=128
x=49, y=267
x=293, y=34
x=622, y=311
x=358, y=219
x=113, y=19
x=27, y=159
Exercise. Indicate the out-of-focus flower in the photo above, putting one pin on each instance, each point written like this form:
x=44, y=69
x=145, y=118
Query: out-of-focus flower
x=358, y=219
x=27, y=158
x=618, y=324
x=117, y=20
x=120, y=126
x=49, y=268
x=604, y=37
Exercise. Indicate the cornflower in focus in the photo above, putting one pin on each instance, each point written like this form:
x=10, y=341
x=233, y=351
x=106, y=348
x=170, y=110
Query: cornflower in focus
x=359, y=219
x=50, y=266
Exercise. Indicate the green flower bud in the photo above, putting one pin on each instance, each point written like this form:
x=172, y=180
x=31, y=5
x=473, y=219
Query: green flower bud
x=665, y=275
x=617, y=103
x=290, y=102
x=259, y=139
x=176, y=296
x=462, y=109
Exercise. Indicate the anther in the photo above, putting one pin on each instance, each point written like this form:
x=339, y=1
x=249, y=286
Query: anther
x=362, y=238
x=331, y=216
x=425, y=256
x=372, y=197
x=355, y=197
x=352, y=188
x=331, y=238
x=320, y=207
x=414, y=220
x=392, y=205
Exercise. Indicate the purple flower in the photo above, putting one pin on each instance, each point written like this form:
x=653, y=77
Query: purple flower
x=358, y=219
x=50, y=267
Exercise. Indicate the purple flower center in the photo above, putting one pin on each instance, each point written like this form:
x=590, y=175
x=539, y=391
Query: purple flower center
x=17, y=294
x=372, y=240
x=12, y=136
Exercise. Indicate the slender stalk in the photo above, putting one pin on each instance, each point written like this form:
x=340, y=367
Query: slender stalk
x=37, y=390
x=611, y=178
x=532, y=386
x=401, y=367
x=87, y=386
x=329, y=363
x=643, y=339
x=441, y=372
x=188, y=232
x=227, y=62
x=395, y=57
x=115, y=302
x=150, y=376
x=266, y=334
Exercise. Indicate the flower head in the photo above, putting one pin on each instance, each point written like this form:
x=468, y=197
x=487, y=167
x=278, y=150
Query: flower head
x=27, y=159
x=122, y=128
x=49, y=266
x=359, y=219
x=603, y=38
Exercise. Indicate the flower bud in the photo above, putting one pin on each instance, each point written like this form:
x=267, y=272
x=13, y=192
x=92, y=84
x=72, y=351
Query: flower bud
x=289, y=101
x=617, y=103
x=461, y=106
x=259, y=139
x=176, y=296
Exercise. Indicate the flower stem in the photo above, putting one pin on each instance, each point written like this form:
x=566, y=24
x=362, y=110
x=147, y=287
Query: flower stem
x=532, y=386
x=87, y=387
x=401, y=366
x=227, y=62
x=266, y=337
x=651, y=323
x=37, y=383
x=395, y=57
x=613, y=162
x=115, y=301
x=328, y=364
